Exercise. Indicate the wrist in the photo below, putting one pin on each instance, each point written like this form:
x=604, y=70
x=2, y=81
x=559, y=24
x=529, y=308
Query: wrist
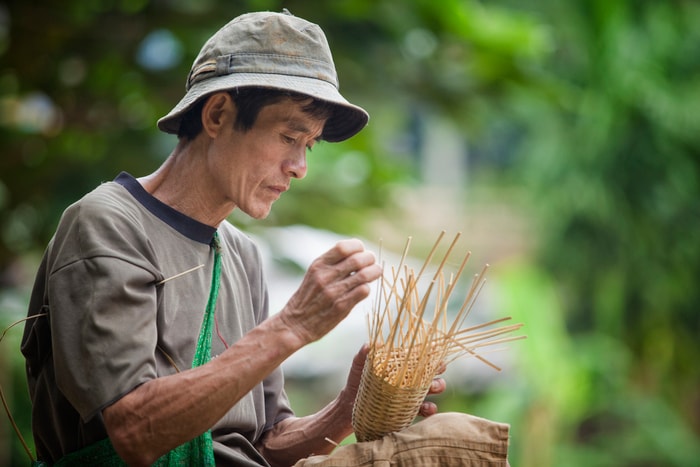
x=286, y=334
x=297, y=333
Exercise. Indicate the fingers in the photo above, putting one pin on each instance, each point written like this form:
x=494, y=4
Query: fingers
x=361, y=355
x=349, y=258
x=350, y=268
x=358, y=362
x=437, y=386
x=333, y=285
x=342, y=250
x=441, y=369
x=355, y=375
x=428, y=408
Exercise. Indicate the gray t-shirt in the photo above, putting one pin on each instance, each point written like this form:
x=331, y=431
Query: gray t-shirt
x=112, y=327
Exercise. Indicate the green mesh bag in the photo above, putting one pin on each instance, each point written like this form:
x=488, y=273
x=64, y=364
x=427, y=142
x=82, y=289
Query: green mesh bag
x=200, y=450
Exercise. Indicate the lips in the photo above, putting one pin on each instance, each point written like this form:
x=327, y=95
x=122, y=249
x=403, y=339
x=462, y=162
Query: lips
x=279, y=189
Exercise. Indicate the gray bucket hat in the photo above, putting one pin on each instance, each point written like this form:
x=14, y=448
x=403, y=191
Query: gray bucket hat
x=269, y=50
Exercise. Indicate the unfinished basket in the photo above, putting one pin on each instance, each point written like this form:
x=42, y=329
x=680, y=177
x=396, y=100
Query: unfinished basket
x=408, y=348
x=384, y=404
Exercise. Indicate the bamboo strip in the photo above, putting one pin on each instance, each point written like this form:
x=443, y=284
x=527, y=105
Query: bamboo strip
x=411, y=337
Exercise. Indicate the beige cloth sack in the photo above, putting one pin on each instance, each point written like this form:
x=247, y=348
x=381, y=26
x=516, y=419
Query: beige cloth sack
x=447, y=439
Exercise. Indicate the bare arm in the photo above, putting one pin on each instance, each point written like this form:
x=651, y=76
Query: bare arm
x=166, y=412
x=296, y=438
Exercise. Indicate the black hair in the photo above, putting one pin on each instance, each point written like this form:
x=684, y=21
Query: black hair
x=249, y=101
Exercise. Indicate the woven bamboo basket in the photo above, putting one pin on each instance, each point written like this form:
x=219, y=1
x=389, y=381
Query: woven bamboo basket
x=408, y=346
x=384, y=404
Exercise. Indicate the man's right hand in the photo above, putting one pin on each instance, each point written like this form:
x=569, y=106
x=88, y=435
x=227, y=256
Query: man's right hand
x=333, y=285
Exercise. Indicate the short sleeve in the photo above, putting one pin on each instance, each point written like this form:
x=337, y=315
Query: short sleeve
x=103, y=323
x=103, y=304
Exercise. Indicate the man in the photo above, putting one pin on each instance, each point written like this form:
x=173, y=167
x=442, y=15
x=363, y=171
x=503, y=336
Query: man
x=151, y=341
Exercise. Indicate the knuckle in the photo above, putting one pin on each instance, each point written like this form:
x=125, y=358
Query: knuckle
x=366, y=275
x=355, y=262
x=327, y=294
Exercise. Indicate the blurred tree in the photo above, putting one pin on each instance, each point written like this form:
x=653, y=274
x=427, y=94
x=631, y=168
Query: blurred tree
x=83, y=82
x=585, y=108
x=611, y=156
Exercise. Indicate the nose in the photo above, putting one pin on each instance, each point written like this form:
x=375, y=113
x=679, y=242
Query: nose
x=296, y=165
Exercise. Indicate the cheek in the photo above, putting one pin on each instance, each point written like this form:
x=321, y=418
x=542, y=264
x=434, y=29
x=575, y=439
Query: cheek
x=220, y=161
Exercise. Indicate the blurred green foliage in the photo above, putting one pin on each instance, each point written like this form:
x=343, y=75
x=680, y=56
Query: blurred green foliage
x=582, y=111
x=610, y=156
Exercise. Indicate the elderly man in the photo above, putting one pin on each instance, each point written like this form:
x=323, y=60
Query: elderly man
x=152, y=342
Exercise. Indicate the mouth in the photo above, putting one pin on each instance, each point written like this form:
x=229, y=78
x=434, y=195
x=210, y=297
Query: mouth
x=278, y=189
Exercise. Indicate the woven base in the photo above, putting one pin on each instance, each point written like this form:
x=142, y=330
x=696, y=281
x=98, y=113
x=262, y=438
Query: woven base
x=382, y=407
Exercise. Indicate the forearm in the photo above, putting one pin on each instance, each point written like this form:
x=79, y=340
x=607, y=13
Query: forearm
x=296, y=438
x=166, y=412
x=163, y=413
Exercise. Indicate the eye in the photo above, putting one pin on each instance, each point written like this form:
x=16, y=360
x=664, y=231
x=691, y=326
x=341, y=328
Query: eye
x=288, y=139
x=313, y=143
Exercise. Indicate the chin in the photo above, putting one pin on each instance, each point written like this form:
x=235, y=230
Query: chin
x=258, y=214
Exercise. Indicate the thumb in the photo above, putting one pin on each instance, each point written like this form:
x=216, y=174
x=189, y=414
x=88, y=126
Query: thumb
x=358, y=364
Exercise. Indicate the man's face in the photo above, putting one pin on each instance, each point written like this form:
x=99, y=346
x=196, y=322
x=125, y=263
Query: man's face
x=253, y=168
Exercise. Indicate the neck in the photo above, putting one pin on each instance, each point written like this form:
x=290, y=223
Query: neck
x=182, y=183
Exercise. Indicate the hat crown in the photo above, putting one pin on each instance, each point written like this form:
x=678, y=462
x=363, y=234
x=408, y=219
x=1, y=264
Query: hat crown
x=266, y=43
x=275, y=51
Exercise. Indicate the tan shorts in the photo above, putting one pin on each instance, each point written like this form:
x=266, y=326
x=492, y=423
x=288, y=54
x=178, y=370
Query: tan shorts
x=447, y=439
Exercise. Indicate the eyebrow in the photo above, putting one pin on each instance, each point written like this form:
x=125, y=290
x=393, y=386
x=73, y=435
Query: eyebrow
x=297, y=125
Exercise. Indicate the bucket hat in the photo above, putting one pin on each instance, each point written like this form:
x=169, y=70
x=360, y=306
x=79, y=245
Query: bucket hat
x=270, y=50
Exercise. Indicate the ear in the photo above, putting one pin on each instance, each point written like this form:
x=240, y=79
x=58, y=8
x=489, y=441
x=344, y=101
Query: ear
x=218, y=110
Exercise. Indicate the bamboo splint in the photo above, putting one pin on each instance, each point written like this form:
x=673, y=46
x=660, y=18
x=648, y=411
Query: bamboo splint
x=412, y=339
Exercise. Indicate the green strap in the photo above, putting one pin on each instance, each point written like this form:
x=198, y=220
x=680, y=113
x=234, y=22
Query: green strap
x=200, y=450
x=203, y=353
x=196, y=452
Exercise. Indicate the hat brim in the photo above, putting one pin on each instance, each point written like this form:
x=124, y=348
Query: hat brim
x=346, y=121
